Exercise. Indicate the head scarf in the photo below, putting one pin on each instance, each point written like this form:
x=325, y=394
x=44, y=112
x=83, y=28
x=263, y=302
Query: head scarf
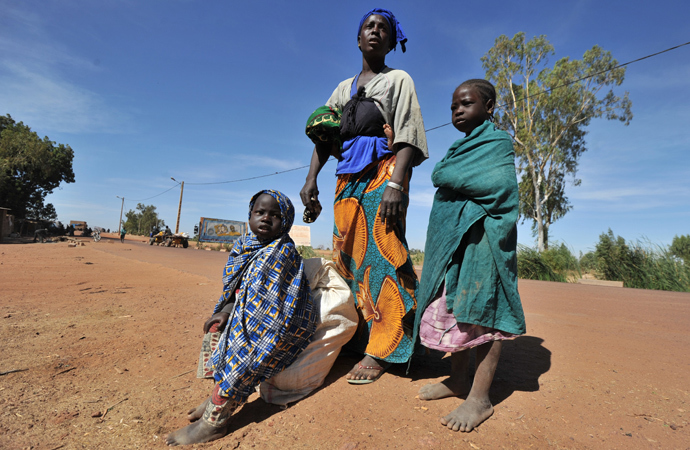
x=274, y=318
x=248, y=251
x=287, y=211
x=396, y=32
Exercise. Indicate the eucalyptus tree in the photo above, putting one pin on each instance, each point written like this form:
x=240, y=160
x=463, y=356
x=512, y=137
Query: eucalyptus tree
x=547, y=110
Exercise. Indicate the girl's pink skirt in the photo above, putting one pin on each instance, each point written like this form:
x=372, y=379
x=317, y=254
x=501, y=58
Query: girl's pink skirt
x=440, y=331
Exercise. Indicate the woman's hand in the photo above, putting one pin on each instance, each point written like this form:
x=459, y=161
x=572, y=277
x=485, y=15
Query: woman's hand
x=392, y=207
x=310, y=194
x=220, y=318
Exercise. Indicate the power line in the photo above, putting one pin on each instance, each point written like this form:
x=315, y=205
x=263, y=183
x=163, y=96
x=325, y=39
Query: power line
x=157, y=195
x=578, y=80
x=251, y=178
x=445, y=124
x=597, y=73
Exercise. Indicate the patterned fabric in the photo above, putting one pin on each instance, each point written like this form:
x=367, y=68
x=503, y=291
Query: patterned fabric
x=274, y=318
x=374, y=261
x=323, y=125
x=219, y=410
x=440, y=331
x=208, y=345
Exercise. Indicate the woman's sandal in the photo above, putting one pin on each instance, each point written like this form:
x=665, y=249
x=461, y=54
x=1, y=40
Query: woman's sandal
x=366, y=380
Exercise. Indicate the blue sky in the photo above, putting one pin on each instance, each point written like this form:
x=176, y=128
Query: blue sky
x=211, y=91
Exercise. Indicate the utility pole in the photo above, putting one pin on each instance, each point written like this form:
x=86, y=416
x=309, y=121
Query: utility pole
x=179, y=208
x=119, y=224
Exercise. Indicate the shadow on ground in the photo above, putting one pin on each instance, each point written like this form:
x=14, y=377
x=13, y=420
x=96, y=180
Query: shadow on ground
x=523, y=361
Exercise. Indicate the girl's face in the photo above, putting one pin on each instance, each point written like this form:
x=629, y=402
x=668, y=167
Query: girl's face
x=468, y=109
x=265, y=221
x=375, y=37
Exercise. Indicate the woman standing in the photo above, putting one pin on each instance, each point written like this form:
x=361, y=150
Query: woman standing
x=374, y=169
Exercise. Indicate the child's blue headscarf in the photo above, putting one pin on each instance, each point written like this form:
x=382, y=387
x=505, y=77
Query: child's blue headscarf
x=287, y=211
x=397, y=34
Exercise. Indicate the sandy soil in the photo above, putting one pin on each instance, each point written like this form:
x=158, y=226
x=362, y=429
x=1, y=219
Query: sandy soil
x=113, y=330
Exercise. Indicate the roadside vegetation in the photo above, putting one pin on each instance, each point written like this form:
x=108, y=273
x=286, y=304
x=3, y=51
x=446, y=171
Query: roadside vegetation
x=637, y=264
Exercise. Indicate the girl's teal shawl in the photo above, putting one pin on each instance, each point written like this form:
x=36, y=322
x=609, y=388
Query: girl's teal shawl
x=476, y=181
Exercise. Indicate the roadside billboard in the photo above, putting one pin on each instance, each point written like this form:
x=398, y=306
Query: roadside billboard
x=220, y=230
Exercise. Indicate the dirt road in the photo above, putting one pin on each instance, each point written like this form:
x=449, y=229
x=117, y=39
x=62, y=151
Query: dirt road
x=113, y=330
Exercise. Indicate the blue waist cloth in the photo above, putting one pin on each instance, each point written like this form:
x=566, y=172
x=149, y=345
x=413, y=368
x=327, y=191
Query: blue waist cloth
x=361, y=151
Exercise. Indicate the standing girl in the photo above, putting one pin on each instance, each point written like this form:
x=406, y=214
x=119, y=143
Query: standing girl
x=468, y=294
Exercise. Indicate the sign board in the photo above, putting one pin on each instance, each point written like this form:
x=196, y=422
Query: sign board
x=220, y=230
x=301, y=234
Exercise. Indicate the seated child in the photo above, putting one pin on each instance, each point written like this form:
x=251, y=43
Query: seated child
x=272, y=321
x=468, y=294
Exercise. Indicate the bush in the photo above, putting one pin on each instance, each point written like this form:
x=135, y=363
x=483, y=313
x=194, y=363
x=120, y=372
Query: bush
x=640, y=266
x=533, y=265
x=417, y=257
x=561, y=261
x=588, y=262
x=306, y=252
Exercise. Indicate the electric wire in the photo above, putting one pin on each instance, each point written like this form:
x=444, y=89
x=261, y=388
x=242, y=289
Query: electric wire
x=443, y=125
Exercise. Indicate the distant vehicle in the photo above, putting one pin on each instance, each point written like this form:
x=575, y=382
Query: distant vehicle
x=167, y=240
x=79, y=225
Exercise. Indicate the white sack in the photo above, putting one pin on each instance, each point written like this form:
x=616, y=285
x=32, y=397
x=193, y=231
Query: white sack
x=337, y=323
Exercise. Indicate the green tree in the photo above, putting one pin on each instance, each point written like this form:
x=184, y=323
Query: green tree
x=680, y=247
x=619, y=261
x=30, y=169
x=141, y=221
x=546, y=111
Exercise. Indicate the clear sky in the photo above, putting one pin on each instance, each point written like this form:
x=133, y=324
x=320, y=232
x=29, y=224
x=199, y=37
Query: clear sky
x=212, y=91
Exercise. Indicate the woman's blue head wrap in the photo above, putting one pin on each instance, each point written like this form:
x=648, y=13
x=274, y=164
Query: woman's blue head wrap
x=396, y=33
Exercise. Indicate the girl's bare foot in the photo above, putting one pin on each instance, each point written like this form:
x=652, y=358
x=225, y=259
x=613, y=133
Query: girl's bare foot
x=446, y=388
x=388, y=131
x=468, y=416
x=367, y=369
x=196, y=433
x=195, y=414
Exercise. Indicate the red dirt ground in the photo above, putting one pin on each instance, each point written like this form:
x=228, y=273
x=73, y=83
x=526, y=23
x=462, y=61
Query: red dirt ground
x=117, y=327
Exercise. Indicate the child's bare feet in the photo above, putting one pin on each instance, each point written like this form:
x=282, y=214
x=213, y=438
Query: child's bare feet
x=388, y=131
x=196, y=433
x=195, y=414
x=468, y=416
x=447, y=388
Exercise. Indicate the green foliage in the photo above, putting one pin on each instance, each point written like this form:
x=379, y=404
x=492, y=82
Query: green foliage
x=306, y=252
x=638, y=266
x=533, y=265
x=417, y=257
x=30, y=169
x=588, y=262
x=141, y=221
x=680, y=248
x=561, y=260
x=547, y=111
